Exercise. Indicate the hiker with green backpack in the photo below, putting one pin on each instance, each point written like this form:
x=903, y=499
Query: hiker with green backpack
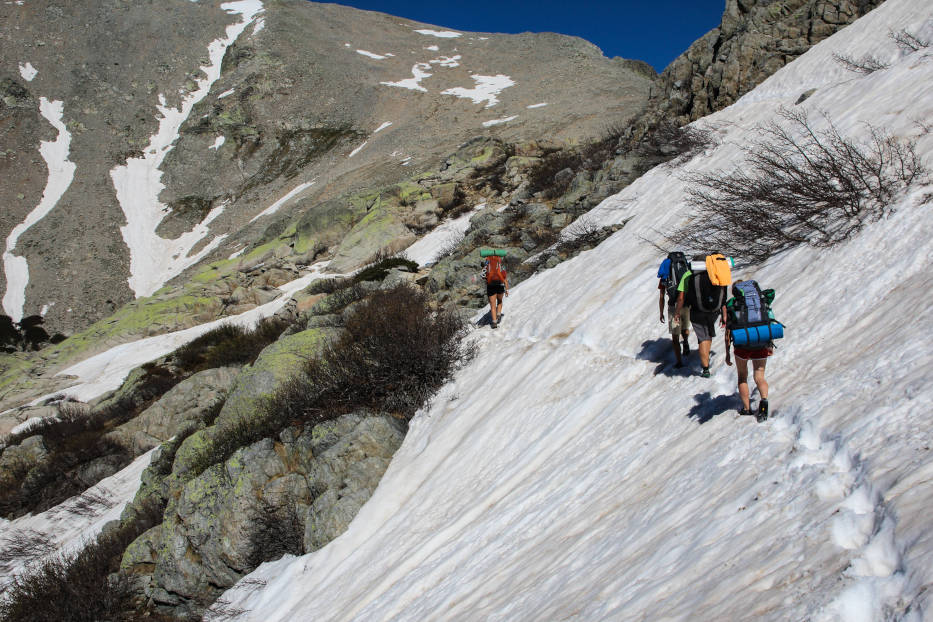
x=497, y=282
x=752, y=329
x=703, y=289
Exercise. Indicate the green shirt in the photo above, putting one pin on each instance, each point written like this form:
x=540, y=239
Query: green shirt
x=682, y=286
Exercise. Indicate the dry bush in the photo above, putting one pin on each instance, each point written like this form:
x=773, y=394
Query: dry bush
x=798, y=186
x=542, y=176
x=864, y=65
x=666, y=140
x=379, y=270
x=907, y=41
x=450, y=247
x=582, y=232
x=228, y=344
x=328, y=286
x=80, y=587
x=276, y=529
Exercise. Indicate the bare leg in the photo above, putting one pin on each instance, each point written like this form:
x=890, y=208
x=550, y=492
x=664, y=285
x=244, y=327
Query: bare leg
x=741, y=367
x=498, y=305
x=704, y=352
x=493, y=312
x=676, y=341
x=760, y=382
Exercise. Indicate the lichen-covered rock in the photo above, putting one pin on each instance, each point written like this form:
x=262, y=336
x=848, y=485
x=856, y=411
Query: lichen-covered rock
x=181, y=405
x=380, y=229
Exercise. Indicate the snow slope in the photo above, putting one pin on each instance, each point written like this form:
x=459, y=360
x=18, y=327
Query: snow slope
x=570, y=473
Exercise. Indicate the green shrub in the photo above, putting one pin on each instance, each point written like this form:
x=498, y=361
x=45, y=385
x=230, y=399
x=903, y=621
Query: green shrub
x=378, y=271
x=228, y=344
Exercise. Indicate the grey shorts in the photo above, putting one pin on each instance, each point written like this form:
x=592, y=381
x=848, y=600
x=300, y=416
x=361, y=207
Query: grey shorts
x=704, y=327
x=675, y=324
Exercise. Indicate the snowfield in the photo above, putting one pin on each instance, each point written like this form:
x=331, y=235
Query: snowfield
x=570, y=473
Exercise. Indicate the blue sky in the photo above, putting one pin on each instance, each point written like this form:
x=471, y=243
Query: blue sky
x=655, y=31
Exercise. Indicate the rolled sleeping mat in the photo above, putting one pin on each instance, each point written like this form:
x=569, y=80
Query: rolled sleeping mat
x=486, y=252
x=757, y=335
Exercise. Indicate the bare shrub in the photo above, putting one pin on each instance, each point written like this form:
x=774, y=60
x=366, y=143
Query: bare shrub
x=543, y=176
x=907, y=41
x=864, y=65
x=276, y=529
x=80, y=587
x=798, y=186
x=451, y=246
x=228, y=344
x=328, y=286
x=90, y=502
x=666, y=140
x=24, y=545
x=379, y=270
x=581, y=232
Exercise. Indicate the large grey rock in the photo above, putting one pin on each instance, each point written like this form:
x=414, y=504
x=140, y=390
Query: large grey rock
x=182, y=404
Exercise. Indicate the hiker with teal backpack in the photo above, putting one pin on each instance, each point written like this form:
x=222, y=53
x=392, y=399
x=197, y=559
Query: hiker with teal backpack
x=703, y=289
x=497, y=282
x=669, y=274
x=752, y=329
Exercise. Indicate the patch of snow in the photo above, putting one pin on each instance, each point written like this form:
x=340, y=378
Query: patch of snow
x=107, y=370
x=498, y=121
x=68, y=527
x=237, y=253
x=358, y=149
x=154, y=259
x=260, y=24
x=432, y=48
x=225, y=94
x=446, y=61
x=541, y=105
x=61, y=173
x=371, y=55
x=27, y=71
x=382, y=127
x=441, y=34
x=419, y=72
x=347, y=45
x=486, y=89
x=218, y=142
x=275, y=206
x=407, y=161
x=426, y=250
x=45, y=308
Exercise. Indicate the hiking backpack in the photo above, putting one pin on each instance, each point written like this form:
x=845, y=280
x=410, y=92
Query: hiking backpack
x=678, y=266
x=719, y=270
x=702, y=296
x=749, y=316
x=495, y=273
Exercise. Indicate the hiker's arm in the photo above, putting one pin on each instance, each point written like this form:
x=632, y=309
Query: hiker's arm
x=680, y=304
x=661, y=303
x=727, y=337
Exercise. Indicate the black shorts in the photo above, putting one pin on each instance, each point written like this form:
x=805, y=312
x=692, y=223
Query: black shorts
x=495, y=288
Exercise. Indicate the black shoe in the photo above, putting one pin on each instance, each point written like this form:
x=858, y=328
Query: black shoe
x=745, y=411
x=495, y=325
x=762, y=410
x=705, y=373
x=686, y=350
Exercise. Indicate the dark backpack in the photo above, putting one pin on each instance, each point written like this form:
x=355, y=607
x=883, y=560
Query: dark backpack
x=679, y=266
x=702, y=296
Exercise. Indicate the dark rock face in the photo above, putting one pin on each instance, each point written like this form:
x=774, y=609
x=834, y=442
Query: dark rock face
x=755, y=39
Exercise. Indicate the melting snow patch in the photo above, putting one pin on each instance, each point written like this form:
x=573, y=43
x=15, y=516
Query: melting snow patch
x=433, y=48
x=419, y=72
x=486, y=89
x=371, y=55
x=357, y=150
x=442, y=34
x=27, y=71
x=382, y=127
x=541, y=105
x=498, y=121
x=154, y=259
x=237, y=254
x=61, y=173
x=260, y=24
x=446, y=61
x=218, y=142
x=275, y=206
x=224, y=94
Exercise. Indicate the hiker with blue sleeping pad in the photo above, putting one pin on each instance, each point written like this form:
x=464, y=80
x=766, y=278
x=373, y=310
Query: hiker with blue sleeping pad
x=752, y=329
x=669, y=274
x=497, y=282
x=703, y=289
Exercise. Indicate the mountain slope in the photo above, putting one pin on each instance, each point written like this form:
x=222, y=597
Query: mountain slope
x=562, y=476
x=179, y=123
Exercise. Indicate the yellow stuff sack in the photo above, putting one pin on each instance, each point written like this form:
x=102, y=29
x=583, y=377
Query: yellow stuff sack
x=717, y=267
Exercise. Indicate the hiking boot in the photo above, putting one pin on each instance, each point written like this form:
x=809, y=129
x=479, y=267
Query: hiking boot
x=705, y=373
x=494, y=325
x=762, y=410
x=745, y=411
x=686, y=350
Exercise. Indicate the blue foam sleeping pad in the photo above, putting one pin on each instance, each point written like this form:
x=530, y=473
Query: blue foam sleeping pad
x=757, y=335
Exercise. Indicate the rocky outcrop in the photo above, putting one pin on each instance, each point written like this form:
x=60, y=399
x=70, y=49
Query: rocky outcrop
x=755, y=39
x=290, y=494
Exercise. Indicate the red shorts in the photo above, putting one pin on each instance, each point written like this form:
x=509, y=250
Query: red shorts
x=753, y=353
